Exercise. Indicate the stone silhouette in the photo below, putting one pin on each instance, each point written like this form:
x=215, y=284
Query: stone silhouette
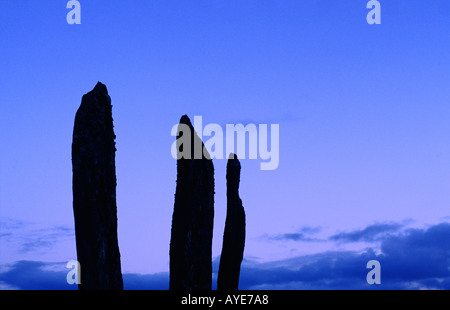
x=234, y=234
x=193, y=214
x=94, y=192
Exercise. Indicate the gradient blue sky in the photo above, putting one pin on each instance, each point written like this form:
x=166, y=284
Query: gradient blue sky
x=363, y=113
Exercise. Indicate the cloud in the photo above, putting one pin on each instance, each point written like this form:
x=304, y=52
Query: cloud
x=35, y=275
x=27, y=237
x=303, y=234
x=294, y=237
x=7, y=224
x=413, y=259
x=368, y=234
x=418, y=254
x=156, y=281
x=38, y=239
x=328, y=270
x=410, y=259
x=5, y=286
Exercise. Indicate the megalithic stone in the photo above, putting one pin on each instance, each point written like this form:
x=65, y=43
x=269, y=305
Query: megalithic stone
x=234, y=234
x=94, y=192
x=193, y=213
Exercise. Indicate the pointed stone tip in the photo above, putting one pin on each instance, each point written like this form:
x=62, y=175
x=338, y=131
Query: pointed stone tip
x=100, y=88
x=185, y=120
x=233, y=162
x=232, y=156
x=101, y=93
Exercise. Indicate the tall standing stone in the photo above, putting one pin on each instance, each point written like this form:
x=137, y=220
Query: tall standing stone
x=193, y=214
x=94, y=192
x=234, y=234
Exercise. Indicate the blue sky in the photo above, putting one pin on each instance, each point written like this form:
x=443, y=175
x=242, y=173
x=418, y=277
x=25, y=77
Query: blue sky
x=363, y=113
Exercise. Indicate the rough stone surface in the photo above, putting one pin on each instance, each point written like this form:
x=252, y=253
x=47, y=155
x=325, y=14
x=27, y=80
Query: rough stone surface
x=234, y=234
x=94, y=192
x=192, y=220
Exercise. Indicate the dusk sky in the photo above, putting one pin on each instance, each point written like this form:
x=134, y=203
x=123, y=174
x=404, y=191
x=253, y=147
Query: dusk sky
x=363, y=113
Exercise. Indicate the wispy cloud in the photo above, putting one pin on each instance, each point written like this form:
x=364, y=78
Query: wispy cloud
x=369, y=234
x=39, y=239
x=303, y=234
x=28, y=237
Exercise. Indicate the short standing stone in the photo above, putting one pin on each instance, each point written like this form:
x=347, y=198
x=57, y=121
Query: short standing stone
x=234, y=235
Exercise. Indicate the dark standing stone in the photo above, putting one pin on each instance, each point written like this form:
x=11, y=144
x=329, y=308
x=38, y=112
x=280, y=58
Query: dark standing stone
x=234, y=234
x=192, y=220
x=94, y=192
